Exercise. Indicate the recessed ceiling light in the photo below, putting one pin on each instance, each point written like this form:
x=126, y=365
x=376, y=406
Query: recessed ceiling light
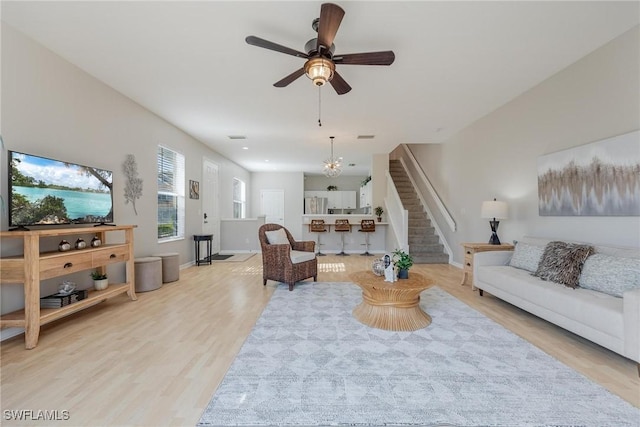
x=366, y=136
x=237, y=137
x=245, y=148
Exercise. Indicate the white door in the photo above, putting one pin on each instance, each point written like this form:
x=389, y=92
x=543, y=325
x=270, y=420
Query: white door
x=272, y=206
x=210, y=193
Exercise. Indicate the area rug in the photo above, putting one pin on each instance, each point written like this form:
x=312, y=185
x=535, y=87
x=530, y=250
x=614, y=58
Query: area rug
x=308, y=362
x=232, y=258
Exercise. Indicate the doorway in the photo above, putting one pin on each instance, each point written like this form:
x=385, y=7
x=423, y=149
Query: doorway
x=210, y=194
x=272, y=206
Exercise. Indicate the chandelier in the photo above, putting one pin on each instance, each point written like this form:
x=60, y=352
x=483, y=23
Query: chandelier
x=333, y=165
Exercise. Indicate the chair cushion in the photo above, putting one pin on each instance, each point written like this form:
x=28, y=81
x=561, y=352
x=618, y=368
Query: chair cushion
x=277, y=237
x=301, y=256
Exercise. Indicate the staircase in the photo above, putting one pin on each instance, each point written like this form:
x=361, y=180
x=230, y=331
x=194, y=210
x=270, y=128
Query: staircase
x=424, y=244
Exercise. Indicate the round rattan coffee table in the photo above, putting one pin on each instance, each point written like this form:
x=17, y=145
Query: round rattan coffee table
x=391, y=306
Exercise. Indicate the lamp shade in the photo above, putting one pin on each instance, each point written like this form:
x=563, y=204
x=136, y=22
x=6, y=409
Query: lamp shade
x=494, y=209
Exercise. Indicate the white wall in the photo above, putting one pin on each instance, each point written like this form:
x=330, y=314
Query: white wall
x=292, y=183
x=53, y=109
x=593, y=99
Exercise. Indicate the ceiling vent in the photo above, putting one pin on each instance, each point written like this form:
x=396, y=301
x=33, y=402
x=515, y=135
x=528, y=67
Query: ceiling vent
x=366, y=136
x=237, y=137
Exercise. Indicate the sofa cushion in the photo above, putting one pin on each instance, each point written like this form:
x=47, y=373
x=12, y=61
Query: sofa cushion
x=611, y=275
x=562, y=262
x=526, y=256
x=301, y=256
x=596, y=310
x=277, y=237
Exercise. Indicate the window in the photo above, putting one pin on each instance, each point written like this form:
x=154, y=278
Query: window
x=171, y=188
x=239, y=199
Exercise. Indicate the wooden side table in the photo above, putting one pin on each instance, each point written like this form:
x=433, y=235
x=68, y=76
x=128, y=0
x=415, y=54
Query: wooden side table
x=473, y=248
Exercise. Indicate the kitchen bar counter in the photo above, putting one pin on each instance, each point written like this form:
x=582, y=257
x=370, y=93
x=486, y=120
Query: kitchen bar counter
x=353, y=241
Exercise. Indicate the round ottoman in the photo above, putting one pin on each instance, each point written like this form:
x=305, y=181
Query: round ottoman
x=170, y=266
x=148, y=273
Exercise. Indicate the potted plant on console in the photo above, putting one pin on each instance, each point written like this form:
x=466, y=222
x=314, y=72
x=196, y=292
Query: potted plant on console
x=379, y=211
x=403, y=262
x=100, y=280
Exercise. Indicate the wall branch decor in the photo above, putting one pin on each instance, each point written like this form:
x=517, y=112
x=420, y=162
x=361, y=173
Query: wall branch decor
x=597, y=179
x=133, y=186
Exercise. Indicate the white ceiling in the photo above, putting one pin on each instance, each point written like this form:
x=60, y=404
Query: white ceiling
x=188, y=63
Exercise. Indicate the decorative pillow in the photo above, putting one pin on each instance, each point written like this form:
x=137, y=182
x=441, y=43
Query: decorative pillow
x=277, y=237
x=562, y=262
x=610, y=275
x=526, y=257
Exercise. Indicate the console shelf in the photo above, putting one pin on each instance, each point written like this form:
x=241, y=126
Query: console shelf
x=33, y=266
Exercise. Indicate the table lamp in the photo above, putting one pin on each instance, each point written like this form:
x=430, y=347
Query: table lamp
x=494, y=210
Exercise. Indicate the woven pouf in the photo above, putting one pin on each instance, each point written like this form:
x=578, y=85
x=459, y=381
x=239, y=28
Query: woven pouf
x=170, y=266
x=148, y=273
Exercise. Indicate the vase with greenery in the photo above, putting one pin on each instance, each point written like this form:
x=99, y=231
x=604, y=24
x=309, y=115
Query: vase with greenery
x=403, y=262
x=379, y=211
x=100, y=280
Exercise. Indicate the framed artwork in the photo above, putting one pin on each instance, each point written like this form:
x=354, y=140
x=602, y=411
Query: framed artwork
x=194, y=189
x=597, y=179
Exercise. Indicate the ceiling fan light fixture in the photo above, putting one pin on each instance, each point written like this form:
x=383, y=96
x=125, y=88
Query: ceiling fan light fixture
x=320, y=70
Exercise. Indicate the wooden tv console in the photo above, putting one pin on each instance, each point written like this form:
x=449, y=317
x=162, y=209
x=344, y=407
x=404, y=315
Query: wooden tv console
x=33, y=266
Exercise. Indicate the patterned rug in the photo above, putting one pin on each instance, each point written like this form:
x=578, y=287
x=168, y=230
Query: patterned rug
x=309, y=362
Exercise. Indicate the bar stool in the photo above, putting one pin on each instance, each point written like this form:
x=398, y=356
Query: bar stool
x=342, y=226
x=318, y=226
x=367, y=226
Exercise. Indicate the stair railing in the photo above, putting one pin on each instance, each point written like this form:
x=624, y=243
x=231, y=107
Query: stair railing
x=398, y=216
x=414, y=169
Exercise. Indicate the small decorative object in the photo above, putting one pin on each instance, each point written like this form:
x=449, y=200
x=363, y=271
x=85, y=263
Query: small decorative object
x=332, y=188
x=379, y=211
x=402, y=261
x=194, y=189
x=80, y=243
x=66, y=287
x=389, y=274
x=133, y=187
x=64, y=246
x=378, y=267
x=95, y=242
x=100, y=280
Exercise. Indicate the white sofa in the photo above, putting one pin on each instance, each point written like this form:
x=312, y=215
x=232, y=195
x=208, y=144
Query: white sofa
x=610, y=321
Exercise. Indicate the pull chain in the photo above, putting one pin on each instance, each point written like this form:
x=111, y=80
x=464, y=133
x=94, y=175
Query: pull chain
x=319, y=106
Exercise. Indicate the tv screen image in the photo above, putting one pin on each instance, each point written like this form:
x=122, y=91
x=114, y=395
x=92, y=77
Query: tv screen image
x=45, y=191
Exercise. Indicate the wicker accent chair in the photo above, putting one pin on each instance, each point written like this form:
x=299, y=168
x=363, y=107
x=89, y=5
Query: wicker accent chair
x=277, y=263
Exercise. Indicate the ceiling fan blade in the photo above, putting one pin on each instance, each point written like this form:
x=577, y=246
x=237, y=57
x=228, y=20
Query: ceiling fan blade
x=339, y=84
x=266, y=44
x=290, y=78
x=330, y=18
x=368, y=58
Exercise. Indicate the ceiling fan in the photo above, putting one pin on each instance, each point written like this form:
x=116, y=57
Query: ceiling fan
x=321, y=60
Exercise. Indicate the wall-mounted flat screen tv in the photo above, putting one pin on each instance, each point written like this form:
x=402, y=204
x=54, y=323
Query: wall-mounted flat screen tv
x=44, y=191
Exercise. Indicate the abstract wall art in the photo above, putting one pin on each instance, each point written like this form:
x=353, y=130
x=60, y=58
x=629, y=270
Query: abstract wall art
x=597, y=179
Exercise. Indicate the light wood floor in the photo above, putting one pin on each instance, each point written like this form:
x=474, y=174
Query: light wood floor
x=157, y=361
